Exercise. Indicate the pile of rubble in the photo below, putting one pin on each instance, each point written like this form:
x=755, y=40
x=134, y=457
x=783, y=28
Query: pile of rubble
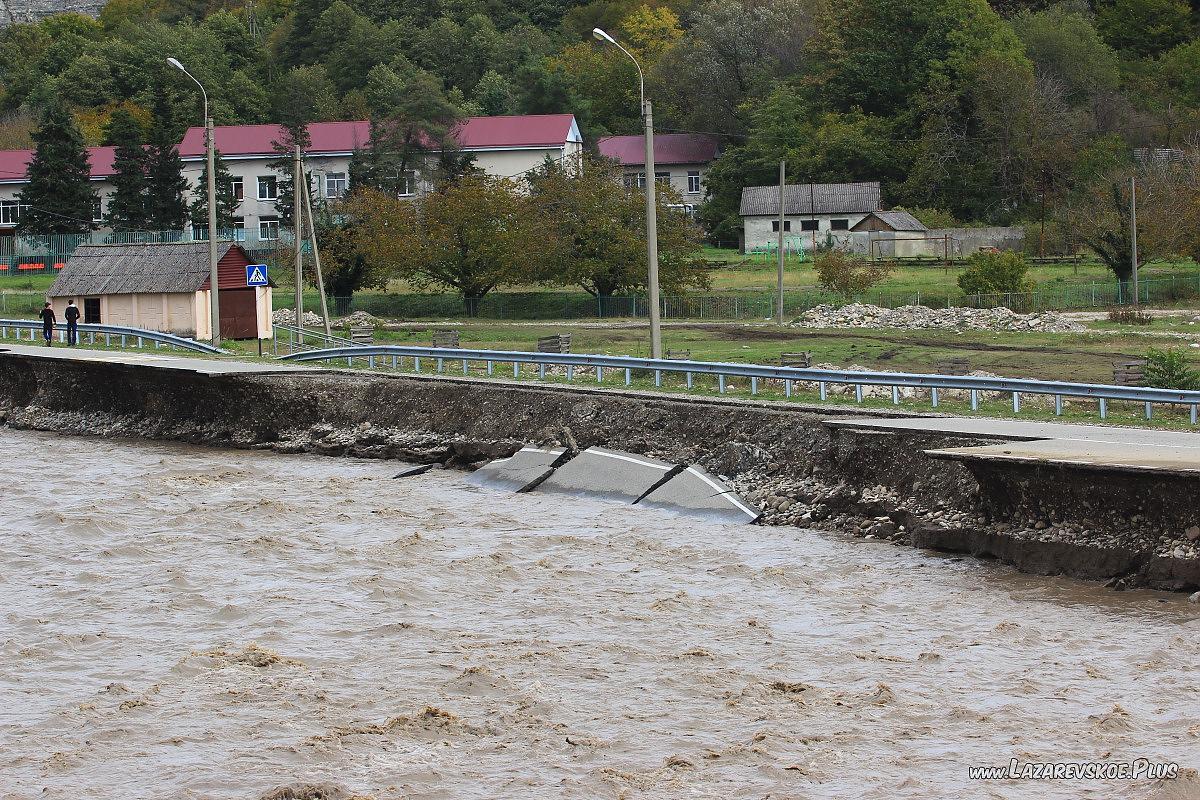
x=861, y=315
x=287, y=316
x=356, y=319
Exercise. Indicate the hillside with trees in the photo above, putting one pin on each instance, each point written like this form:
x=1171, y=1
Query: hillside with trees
x=1001, y=113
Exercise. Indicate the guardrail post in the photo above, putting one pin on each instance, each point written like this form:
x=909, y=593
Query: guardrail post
x=721, y=384
x=490, y=365
x=858, y=392
x=689, y=380
x=821, y=389
x=599, y=374
x=417, y=363
x=1016, y=402
x=787, y=388
x=1103, y=408
x=628, y=376
x=1193, y=413
x=1058, y=405
x=658, y=377
x=974, y=399
x=107, y=340
x=570, y=373
x=541, y=372
x=933, y=395
x=753, y=385
x=464, y=366
x=440, y=365
x=370, y=362
x=895, y=396
x=1149, y=411
x=139, y=344
x=516, y=369
x=393, y=362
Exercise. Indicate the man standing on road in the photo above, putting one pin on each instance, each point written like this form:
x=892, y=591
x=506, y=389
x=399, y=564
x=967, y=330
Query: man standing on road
x=47, y=316
x=72, y=317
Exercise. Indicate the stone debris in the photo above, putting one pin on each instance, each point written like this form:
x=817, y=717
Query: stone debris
x=862, y=315
x=287, y=316
x=357, y=318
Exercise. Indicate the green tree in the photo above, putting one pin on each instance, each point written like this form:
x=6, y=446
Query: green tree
x=1063, y=44
x=495, y=94
x=58, y=196
x=227, y=202
x=127, y=203
x=166, y=208
x=1143, y=27
x=595, y=235
x=472, y=236
x=995, y=273
x=848, y=274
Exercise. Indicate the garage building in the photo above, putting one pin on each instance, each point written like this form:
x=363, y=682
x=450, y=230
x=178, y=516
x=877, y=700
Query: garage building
x=163, y=287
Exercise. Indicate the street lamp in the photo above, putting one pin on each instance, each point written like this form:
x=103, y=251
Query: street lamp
x=214, y=302
x=651, y=210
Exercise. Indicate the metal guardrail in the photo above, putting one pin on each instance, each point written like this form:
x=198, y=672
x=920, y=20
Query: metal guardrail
x=109, y=332
x=789, y=375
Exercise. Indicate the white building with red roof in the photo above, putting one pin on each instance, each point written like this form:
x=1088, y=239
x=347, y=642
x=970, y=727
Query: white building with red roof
x=14, y=164
x=681, y=160
x=502, y=146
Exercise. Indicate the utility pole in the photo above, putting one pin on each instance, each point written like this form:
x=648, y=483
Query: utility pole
x=298, y=235
x=1133, y=234
x=812, y=212
x=652, y=235
x=312, y=237
x=782, y=217
x=213, y=277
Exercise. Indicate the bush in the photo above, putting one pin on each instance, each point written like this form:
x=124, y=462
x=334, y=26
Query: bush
x=1129, y=316
x=1170, y=369
x=995, y=273
x=848, y=274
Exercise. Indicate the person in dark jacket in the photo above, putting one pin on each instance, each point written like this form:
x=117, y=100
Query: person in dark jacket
x=47, y=316
x=72, y=317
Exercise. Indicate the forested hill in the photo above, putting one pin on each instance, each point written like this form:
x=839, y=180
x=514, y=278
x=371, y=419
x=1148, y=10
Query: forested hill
x=982, y=111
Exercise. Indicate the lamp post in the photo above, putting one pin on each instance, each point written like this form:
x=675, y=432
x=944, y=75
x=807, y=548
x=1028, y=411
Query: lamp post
x=214, y=301
x=651, y=210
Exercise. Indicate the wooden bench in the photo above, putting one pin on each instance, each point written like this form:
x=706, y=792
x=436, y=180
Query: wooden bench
x=559, y=343
x=803, y=359
x=679, y=355
x=1129, y=373
x=952, y=366
x=362, y=334
x=446, y=339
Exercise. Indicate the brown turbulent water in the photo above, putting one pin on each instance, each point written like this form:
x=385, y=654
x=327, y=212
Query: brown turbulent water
x=195, y=623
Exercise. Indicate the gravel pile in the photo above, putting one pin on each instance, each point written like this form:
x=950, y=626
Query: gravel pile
x=861, y=315
x=357, y=318
x=287, y=316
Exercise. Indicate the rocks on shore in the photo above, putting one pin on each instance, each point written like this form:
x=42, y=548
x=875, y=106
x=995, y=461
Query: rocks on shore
x=862, y=315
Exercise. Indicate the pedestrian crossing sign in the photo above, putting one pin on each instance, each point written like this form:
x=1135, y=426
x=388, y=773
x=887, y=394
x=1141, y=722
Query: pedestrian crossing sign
x=256, y=274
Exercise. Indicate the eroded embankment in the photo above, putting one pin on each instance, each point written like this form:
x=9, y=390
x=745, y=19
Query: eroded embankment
x=876, y=484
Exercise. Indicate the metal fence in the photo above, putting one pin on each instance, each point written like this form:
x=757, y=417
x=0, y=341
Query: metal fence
x=727, y=306
x=109, y=334
x=394, y=356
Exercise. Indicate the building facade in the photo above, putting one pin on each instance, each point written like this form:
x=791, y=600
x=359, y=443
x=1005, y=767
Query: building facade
x=681, y=160
x=813, y=212
x=502, y=146
x=14, y=164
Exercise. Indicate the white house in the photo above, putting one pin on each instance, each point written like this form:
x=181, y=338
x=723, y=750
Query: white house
x=810, y=210
x=14, y=166
x=502, y=146
x=681, y=160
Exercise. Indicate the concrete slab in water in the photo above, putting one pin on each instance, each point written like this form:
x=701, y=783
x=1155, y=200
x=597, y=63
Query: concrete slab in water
x=695, y=491
x=520, y=472
x=611, y=474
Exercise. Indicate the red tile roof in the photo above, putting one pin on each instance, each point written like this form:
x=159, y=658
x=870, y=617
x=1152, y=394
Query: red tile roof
x=473, y=133
x=669, y=148
x=14, y=164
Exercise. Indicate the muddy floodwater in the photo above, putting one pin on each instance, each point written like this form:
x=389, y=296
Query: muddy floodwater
x=180, y=622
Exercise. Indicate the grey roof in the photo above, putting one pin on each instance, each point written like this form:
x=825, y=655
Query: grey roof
x=826, y=198
x=96, y=269
x=897, y=220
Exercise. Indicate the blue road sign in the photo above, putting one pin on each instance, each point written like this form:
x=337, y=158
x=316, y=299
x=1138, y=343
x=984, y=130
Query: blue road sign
x=256, y=274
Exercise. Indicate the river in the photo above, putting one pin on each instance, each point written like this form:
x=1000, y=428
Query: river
x=186, y=622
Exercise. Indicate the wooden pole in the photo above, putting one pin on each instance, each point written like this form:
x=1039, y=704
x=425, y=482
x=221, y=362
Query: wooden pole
x=312, y=232
x=1133, y=234
x=298, y=231
x=779, y=306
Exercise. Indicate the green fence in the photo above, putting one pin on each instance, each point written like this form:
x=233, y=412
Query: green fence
x=746, y=306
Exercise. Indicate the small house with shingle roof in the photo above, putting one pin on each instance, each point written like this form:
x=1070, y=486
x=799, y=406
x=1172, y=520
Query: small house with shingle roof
x=810, y=210
x=163, y=287
x=898, y=221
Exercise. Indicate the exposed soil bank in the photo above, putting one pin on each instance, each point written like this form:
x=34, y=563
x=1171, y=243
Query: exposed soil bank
x=880, y=484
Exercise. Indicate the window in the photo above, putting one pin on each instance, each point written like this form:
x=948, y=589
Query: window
x=200, y=233
x=406, y=183
x=97, y=209
x=787, y=225
x=268, y=229
x=91, y=311
x=10, y=212
x=268, y=188
x=694, y=182
x=633, y=179
x=663, y=178
x=335, y=184
x=238, y=189
x=239, y=229
x=809, y=225
x=839, y=224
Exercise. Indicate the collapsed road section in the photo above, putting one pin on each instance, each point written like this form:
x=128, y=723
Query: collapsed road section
x=1122, y=514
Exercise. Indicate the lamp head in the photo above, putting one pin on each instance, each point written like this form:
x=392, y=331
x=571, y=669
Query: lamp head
x=600, y=35
x=174, y=62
